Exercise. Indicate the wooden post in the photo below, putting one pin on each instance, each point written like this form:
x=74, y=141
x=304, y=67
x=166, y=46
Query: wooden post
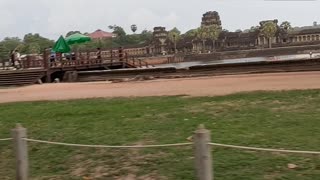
x=46, y=63
x=88, y=56
x=203, y=160
x=126, y=56
x=21, y=152
x=111, y=56
x=28, y=61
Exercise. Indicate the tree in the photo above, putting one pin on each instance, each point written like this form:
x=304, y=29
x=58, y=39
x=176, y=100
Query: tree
x=315, y=23
x=214, y=33
x=127, y=40
x=254, y=28
x=112, y=26
x=146, y=35
x=72, y=32
x=269, y=30
x=119, y=31
x=202, y=34
x=225, y=30
x=22, y=48
x=238, y=30
x=33, y=48
x=4, y=53
x=174, y=36
x=190, y=34
x=37, y=39
x=134, y=28
x=286, y=25
x=11, y=42
x=8, y=44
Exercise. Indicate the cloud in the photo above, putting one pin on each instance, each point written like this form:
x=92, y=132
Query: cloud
x=147, y=19
x=52, y=18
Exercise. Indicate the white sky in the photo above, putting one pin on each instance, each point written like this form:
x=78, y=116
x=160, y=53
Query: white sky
x=52, y=18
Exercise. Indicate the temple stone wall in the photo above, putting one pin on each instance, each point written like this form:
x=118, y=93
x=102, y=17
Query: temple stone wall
x=254, y=53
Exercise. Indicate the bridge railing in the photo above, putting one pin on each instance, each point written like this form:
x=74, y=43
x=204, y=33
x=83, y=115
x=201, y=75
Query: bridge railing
x=29, y=61
x=84, y=58
x=46, y=61
x=136, y=62
x=73, y=63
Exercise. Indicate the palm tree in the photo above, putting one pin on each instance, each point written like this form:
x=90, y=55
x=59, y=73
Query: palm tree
x=174, y=36
x=286, y=25
x=134, y=28
x=269, y=30
x=202, y=34
x=213, y=34
x=192, y=34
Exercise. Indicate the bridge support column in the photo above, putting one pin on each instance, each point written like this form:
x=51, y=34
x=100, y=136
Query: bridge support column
x=48, y=77
x=70, y=76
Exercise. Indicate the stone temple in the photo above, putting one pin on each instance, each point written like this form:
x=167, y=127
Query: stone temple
x=233, y=41
x=253, y=39
x=211, y=18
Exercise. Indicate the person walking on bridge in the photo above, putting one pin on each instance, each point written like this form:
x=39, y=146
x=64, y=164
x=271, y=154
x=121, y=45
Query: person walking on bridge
x=12, y=58
x=17, y=59
x=98, y=55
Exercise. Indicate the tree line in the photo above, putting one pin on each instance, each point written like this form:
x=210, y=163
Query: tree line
x=203, y=34
x=30, y=44
x=122, y=39
x=34, y=43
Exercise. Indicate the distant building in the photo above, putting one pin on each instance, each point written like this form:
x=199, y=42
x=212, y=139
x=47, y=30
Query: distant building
x=302, y=35
x=160, y=42
x=211, y=18
x=208, y=19
x=233, y=41
x=253, y=39
x=99, y=34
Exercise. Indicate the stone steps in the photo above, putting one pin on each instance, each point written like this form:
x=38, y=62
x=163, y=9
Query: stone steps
x=18, y=78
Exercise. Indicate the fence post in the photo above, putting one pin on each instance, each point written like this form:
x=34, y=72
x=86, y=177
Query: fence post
x=21, y=152
x=203, y=159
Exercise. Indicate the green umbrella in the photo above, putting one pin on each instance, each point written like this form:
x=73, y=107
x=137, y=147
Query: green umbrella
x=77, y=38
x=61, y=46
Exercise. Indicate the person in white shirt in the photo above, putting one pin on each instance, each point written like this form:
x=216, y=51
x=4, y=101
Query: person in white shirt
x=17, y=58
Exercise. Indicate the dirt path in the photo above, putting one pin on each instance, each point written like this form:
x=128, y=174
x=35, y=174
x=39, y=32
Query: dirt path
x=207, y=86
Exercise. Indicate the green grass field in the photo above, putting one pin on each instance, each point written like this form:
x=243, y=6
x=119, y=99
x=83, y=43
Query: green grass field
x=289, y=120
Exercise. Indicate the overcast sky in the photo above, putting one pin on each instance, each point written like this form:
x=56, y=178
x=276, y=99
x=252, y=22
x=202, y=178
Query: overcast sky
x=52, y=18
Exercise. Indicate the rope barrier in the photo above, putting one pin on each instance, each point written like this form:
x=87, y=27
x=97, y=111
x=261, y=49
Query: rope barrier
x=264, y=149
x=169, y=145
x=107, y=146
